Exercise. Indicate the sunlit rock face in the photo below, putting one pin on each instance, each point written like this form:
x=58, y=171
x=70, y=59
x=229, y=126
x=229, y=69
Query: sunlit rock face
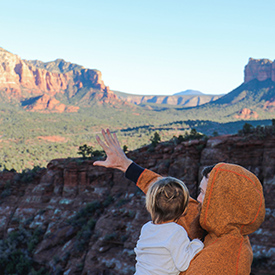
x=260, y=69
x=36, y=85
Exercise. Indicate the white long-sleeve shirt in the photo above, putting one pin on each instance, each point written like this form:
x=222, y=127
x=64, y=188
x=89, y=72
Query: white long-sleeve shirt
x=164, y=249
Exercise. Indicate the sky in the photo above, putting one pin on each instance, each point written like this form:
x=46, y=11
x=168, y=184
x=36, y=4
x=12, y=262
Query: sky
x=145, y=47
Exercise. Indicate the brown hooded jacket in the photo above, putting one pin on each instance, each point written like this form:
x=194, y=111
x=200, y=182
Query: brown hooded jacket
x=233, y=207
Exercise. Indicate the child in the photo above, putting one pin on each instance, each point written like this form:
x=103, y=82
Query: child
x=163, y=246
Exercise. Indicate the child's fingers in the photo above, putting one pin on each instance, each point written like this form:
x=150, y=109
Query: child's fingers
x=101, y=143
x=113, y=138
x=107, y=137
x=116, y=140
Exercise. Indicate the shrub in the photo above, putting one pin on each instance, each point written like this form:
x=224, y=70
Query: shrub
x=16, y=252
x=177, y=140
x=81, y=218
x=28, y=175
x=7, y=190
x=98, y=153
x=85, y=223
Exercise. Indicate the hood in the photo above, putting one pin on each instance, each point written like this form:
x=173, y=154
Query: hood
x=233, y=202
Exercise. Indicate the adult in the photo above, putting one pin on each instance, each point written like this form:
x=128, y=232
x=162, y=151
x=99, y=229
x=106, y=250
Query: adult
x=203, y=184
x=232, y=207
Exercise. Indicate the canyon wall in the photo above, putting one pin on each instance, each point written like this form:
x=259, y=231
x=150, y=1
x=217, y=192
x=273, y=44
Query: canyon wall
x=90, y=217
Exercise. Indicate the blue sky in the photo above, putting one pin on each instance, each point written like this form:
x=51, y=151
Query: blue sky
x=145, y=47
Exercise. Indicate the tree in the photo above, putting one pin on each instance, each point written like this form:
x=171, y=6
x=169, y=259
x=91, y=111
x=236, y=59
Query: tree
x=193, y=135
x=193, y=132
x=215, y=134
x=247, y=128
x=125, y=148
x=85, y=151
x=155, y=139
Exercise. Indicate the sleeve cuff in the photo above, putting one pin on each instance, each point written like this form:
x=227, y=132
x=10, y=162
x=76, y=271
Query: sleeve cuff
x=133, y=172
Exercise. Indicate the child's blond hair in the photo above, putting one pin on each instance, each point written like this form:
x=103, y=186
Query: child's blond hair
x=167, y=199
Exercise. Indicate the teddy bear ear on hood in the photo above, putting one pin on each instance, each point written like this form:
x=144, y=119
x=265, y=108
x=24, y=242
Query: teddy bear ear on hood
x=234, y=201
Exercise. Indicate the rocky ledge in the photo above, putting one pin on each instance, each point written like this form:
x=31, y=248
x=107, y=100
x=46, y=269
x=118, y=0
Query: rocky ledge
x=74, y=218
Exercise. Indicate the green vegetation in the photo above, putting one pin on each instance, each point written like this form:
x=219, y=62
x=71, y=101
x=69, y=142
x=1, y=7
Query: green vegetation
x=85, y=151
x=16, y=252
x=155, y=139
x=260, y=131
x=215, y=134
x=85, y=221
x=192, y=135
x=125, y=148
x=88, y=152
x=29, y=139
x=247, y=128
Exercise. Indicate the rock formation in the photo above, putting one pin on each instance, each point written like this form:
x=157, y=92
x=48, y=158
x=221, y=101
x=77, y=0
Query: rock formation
x=89, y=217
x=178, y=100
x=247, y=114
x=36, y=84
x=60, y=86
x=260, y=69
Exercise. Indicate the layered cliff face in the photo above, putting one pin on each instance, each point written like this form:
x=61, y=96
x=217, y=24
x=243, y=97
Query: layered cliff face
x=60, y=86
x=89, y=218
x=36, y=84
x=260, y=69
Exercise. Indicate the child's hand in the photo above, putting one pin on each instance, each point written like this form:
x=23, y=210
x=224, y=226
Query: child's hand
x=116, y=158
